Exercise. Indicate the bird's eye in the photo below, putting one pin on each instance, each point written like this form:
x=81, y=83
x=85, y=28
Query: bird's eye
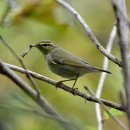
x=45, y=45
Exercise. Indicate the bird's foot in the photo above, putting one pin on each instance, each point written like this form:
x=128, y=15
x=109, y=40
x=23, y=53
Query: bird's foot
x=73, y=90
x=58, y=84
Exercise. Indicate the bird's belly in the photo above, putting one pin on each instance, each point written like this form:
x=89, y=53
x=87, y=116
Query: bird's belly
x=66, y=71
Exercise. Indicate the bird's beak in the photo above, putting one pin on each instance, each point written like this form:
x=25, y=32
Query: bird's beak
x=34, y=45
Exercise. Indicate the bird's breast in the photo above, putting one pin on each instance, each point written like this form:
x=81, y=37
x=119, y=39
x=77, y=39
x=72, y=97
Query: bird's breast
x=65, y=70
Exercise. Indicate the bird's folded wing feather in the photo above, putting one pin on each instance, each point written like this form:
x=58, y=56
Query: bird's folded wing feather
x=63, y=57
x=60, y=56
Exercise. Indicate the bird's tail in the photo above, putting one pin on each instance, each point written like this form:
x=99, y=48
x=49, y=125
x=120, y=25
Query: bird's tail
x=106, y=71
x=101, y=70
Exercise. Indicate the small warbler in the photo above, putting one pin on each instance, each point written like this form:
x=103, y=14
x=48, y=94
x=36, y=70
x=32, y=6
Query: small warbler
x=63, y=63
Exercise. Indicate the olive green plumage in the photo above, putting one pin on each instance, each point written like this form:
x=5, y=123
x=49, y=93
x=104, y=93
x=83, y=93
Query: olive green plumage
x=63, y=63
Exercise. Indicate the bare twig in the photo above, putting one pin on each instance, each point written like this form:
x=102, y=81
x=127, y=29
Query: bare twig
x=4, y=69
x=65, y=88
x=22, y=64
x=29, y=110
x=122, y=28
x=103, y=76
x=26, y=52
x=34, y=110
x=89, y=32
x=106, y=109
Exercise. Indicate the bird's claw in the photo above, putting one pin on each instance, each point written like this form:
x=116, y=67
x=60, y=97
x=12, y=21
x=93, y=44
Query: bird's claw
x=73, y=90
x=58, y=84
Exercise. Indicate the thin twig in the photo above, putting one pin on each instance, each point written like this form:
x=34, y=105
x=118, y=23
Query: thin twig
x=123, y=30
x=22, y=64
x=89, y=32
x=32, y=109
x=26, y=52
x=103, y=76
x=106, y=109
x=65, y=88
x=29, y=108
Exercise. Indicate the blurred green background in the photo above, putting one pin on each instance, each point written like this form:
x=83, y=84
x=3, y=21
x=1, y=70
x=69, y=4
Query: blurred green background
x=29, y=21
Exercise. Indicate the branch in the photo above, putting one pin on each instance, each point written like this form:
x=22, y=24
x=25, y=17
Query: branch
x=30, y=110
x=66, y=88
x=123, y=30
x=103, y=76
x=89, y=32
x=4, y=69
x=21, y=62
x=106, y=109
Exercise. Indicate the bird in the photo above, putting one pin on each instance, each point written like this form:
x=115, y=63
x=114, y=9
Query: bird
x=64, y=63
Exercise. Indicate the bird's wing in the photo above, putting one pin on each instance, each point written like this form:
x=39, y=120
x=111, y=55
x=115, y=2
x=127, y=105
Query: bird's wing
x=60, y=56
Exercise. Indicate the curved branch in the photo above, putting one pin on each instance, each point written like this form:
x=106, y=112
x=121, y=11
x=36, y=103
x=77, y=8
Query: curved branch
x=66, y=88
x=89, y=32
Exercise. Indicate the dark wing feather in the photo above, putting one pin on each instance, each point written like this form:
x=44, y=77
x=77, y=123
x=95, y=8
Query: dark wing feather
x=60, y=56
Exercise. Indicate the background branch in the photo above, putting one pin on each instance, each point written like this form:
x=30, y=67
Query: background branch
x=89, y=32
x=103, y=76
x=106, y=109
x=22, y=64
x=123, y=29
x=4, y=69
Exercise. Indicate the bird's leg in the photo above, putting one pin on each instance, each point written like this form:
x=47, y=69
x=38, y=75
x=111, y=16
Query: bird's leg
x=60, y=82
x=73, y=89
x=75, y=80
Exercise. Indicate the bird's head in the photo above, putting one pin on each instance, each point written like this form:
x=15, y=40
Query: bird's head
x=45, y=46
